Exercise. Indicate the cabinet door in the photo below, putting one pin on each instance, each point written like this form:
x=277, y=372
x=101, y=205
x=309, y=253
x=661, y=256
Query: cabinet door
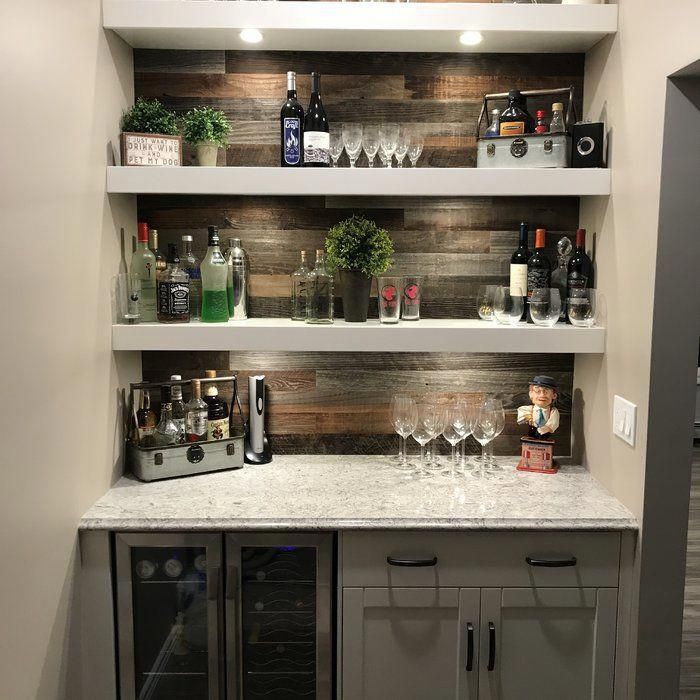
x=410, y=643
x=169, y=616
x=547, y=643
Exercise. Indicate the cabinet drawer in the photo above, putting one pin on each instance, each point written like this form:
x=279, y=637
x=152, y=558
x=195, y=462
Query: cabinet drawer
x=480, y=559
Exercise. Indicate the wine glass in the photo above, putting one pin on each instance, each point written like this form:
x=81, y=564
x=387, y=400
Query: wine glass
x=484, y=429
x=485, y=301
x=423, y=432
x=335, y=146
x=437, y=428
x=402, y=144
x=456, y=427
x=581, y=307
x=495, y=409
x=545, y=307
x=415, y=148
x=352, y=140
x=370, y=142
x=388, y=137
x=404, y=416
x=469, y=407
x=508, y=305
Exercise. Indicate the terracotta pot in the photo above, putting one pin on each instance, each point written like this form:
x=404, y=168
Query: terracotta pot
x=206, y=153
x=356, y=289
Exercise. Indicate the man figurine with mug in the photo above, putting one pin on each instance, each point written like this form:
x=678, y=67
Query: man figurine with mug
x=541, y=416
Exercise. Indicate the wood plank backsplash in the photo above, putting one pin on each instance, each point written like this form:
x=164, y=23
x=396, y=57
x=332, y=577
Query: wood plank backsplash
x=339, y=402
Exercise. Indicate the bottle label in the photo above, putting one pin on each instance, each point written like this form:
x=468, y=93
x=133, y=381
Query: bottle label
x=146, y=431
x=577, y=280
x=537, y=279
x=217, y=429
x=194, y=273
x=316, y=146
x=180, y=424
x=173, y=299
x=198, y=425
x=292, y=141
x=512, y=128
x=518, y=280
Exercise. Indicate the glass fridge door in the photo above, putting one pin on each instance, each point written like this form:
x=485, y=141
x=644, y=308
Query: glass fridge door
x=169, y=610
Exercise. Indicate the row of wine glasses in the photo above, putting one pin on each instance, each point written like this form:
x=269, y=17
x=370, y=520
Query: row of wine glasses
x=506, y=305
x=388, y=140
x=426, y=419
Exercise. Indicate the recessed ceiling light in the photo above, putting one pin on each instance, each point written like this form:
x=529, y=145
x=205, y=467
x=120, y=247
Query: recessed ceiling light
x=251, y=36
x=470, y=38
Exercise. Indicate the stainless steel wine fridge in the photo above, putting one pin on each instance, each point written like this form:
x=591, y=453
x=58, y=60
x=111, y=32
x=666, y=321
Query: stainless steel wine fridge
x=242, y=617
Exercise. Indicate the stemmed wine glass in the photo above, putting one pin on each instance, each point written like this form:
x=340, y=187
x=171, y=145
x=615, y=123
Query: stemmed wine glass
x=438, y=426
x=495, y=409
x=404, y=417
x=388, y=137
x=415, y=148
x=469, y=408
x=456, y=427
x=370, y=142
x=423, y=432
x=352, y=140
x=402, y=144
x=335, y=146
x=484, y=429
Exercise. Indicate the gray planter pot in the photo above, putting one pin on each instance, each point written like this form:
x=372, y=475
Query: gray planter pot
x=206, y=153
x=356, y=289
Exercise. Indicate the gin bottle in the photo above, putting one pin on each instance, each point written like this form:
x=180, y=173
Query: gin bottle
x=299, y=277
x=559, y=275
x=319, y=292
x=214, y=275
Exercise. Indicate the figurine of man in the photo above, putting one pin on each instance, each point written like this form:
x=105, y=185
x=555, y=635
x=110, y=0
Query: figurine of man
x=541, y=415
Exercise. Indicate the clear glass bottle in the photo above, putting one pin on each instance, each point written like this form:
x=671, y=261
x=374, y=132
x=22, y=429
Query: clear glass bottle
x=143, y=265
x=319, y=292
x=299, y=279
x=494, y=126
x=161, y=262
x=557, y=125
x=173, y=292
x=146, y=421
x=178, y=409
x=559, y=275
x=166, y=430
x=190, y=264
x=196, y=415
x=214, y=275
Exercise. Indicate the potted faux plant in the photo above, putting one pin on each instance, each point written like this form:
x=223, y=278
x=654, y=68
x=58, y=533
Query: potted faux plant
x=150, y=135
x=206, y=129
x=359, y=249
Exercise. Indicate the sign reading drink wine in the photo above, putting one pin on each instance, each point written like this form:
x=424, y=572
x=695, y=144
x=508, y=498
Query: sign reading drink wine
x=151, y=149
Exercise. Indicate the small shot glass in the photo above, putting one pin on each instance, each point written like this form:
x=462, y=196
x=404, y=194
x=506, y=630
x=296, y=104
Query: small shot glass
x=412, y=287
x=389, y=298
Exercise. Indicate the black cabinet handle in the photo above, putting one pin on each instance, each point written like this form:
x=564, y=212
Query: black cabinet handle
x=411, y=562
x=492, y=647
x=470, y=646
x=551, y=563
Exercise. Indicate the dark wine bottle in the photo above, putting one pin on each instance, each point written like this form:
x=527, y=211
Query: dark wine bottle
x=518, y=266
x=539, y=269
x=580, y=273
x=316, y=138
x=291, y=127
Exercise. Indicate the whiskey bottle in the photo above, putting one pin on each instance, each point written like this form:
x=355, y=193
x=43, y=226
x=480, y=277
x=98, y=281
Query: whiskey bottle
x=190, y=265
x=217, y=411
x=173, y=291
x=299, y=278
x=161, y=262
x=319, y=292
x=178, y=409
x=166, y=430
x=515, y=119
x=196, y=415
x=146, y=421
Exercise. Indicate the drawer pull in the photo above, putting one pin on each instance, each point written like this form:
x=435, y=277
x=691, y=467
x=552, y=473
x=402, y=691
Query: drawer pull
x=551, y=563
x=492, y=647
x=470, y=646
x=392, y=561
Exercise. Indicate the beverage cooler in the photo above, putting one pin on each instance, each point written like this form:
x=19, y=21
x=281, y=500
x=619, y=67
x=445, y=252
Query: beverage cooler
x=240, y=617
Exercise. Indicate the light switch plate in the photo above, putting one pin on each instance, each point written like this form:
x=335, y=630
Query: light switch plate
x=624, y=420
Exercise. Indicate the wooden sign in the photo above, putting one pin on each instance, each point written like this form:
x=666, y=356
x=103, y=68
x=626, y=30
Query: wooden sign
x=151, y=149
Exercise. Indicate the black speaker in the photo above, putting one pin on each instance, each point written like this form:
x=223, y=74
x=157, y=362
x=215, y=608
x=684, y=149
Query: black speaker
x=587, y=145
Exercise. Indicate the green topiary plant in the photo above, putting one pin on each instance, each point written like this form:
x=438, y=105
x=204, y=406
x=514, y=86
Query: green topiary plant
x=149, y=117
x=359, y=244
x=204, y=124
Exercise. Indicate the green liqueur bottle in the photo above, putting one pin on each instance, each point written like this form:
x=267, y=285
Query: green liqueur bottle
x=143, y=265
x=214, y=276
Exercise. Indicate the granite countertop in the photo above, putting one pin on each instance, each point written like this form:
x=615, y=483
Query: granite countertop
x=332, y=492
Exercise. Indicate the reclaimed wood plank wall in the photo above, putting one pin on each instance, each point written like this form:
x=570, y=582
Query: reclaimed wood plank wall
x=339, y=402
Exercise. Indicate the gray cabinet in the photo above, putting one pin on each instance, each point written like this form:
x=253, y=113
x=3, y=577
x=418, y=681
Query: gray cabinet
x=410, y=643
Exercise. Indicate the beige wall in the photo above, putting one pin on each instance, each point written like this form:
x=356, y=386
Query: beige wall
x=62, y=90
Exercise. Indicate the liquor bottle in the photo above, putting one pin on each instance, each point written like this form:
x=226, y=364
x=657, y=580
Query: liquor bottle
x=316, y=136
x=143, y=265
x=291, y=126
x=146, y=420
x=196, y=415
x=518, y=266
x=161, y=262
x=178, y=409
x=493, y=128
x=559, y=275
x=190, y=265
x=557, y=125
x=541, y=126
x=217, y=411
x=319, y=292
x=299, y=277
x=580, y=270
x=166, y=430
x=539, y=269
x=214, y=273
x=173, y=291
x=237, y=280
x=515, y=119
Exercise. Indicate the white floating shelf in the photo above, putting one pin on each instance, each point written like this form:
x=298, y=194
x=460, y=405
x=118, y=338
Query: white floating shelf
x=417, y=182
x=429, y=335
x=359, y=26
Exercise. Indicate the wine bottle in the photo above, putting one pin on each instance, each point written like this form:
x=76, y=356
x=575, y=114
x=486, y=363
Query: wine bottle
x=518, y=266
x=580, y=270
x=316, y=136
x=291, y=126
x=539, y=269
